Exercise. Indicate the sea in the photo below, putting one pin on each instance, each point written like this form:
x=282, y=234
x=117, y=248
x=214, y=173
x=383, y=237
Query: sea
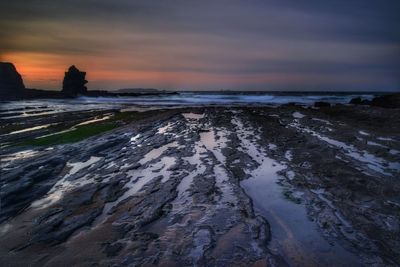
x=28, y=108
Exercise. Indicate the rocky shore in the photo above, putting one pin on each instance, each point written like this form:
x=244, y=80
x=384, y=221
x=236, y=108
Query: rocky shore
x=211, y=186
x=74, y=84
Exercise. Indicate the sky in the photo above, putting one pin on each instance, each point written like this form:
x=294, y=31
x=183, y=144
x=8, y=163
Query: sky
x=340, y=45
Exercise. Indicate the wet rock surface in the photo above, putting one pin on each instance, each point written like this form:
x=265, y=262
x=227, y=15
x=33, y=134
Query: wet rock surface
x=286, y=186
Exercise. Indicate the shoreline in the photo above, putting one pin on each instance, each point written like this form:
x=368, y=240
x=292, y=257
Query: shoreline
x=179, y=186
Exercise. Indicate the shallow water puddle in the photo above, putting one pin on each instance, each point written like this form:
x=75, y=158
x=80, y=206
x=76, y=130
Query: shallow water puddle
x=60, y=132
x=73, y=128
x=193, y=116
x=166, y=173
x=195, y=160
x=289, y=155
x=97, y=119
x=182, y=202
x=135, y=138
x=64, y=185
x=140, y=177
x=323, y=121
x=272, y=147
x=209, y=140
x=321, y=195
x=166, y=128
x=385, y=139
x=223, y=183
x=294, y=236
x=298, y=115
x=243, y=135
x=372, y=162
x=155, y=153
x=19, y=155
x=31, y=129
x=154, y=164
x=372, y=143
x=77, y=166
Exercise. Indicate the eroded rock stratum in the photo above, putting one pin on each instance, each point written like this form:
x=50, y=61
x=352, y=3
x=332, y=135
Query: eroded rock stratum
x=211, y=187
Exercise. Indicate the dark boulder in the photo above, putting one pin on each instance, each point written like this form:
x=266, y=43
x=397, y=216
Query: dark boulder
x=74, y=82
x=11, y=84
x=384, y=101
x=320, y=104
x=359, y=101
x=387, y=101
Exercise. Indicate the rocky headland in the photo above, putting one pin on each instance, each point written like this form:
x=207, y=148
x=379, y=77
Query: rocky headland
x=11, y=84
x=74, y=82
x=73, y=85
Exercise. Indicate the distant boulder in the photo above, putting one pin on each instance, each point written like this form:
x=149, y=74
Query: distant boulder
x=359, y=101
x=355, y=101
x=384, y=101
x=320, y=104
x=387, y=101
x=74, y=82
x=11, y=84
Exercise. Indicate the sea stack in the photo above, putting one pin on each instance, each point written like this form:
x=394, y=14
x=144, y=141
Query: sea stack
x=11, y=84
x=74, y=82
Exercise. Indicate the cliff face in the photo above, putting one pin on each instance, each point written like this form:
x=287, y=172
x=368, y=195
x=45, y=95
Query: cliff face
x=11, y=84
x=74, y=82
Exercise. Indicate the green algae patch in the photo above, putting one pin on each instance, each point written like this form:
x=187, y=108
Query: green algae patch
x=81, y=132
x=129, y=116
x=76, y=134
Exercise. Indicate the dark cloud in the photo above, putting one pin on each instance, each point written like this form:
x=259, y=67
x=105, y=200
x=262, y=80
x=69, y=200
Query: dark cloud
x=226, y=37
